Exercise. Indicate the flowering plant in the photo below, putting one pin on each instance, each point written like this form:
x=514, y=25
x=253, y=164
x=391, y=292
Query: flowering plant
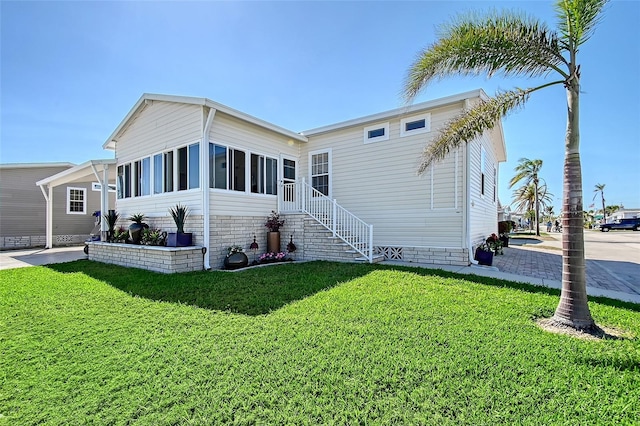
x=495, y=244
x=274, y=222
x=273, y=257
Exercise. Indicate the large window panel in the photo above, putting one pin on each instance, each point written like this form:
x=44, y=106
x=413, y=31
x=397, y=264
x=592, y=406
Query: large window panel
x=271, y=178
x=217, y=166
x=157, y=174
x=237, y=170
x=127, y=180
x=194, y=166
x=257, y=174
x=145, y=176
x=168, y=171
x=76, y=200
x=182, y=169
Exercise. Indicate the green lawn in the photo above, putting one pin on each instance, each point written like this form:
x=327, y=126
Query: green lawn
x=314, y=343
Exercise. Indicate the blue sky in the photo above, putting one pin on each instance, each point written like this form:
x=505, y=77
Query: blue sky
x=70, y=71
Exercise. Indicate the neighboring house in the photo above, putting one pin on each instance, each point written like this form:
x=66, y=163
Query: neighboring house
x=623, y=214
x=232, y=170
x=23, y=207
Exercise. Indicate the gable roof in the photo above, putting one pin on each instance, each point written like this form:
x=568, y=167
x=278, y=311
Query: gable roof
x=146, y=98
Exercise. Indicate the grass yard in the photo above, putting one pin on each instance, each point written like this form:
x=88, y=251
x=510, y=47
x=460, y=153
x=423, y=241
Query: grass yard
x=313, y=343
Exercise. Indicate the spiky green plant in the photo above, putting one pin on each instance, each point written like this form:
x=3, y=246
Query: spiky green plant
x=518, y=46
x=179, y=213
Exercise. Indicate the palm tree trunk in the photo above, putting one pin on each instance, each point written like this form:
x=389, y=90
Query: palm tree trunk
x=573, y=309
x=537, y=209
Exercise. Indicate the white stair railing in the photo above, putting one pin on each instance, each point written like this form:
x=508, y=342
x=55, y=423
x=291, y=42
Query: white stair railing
x=302, y=197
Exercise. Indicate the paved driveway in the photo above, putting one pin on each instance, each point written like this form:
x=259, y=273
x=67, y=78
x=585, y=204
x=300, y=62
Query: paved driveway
x=30, y=257
x=612, y=259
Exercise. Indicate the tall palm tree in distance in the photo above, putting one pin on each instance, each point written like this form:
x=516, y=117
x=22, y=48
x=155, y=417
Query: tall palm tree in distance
x=527, y=171
x=600, y=189
x=516, y=46
x=527, y=197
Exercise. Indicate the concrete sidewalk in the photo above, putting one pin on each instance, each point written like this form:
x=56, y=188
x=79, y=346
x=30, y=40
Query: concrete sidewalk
x=11, y=259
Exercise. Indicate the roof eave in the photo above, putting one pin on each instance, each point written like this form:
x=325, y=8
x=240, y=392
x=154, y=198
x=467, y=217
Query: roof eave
x=435, y=103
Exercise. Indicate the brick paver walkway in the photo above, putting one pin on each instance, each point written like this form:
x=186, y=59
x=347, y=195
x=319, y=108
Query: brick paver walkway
x=547, y=264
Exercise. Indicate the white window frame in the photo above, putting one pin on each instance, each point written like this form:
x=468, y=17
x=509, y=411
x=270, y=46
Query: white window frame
x=329, y=172
x=427, y=124
x=378, y=126
x=84, y=200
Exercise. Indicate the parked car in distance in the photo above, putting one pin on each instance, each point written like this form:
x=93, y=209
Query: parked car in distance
x=628, y=223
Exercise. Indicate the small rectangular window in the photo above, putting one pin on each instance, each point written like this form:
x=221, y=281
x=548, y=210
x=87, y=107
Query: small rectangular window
x=76, y=200
x=415, y=125
x=377, y=132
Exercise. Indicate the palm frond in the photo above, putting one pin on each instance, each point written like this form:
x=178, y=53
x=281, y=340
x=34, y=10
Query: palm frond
x=472, y=123
x=472, y=45
x=577, y=20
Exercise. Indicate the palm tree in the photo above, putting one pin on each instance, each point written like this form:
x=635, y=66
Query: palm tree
x=527, y=171
x=527, y=197
x=548, y=212
x=600, y=189
x=518, y=46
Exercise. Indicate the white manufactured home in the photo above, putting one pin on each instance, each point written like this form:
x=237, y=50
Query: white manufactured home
x=346, y=191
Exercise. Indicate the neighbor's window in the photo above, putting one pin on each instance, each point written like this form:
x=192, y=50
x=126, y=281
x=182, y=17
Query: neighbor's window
x=376, y=133
x=415, y=124
x=76, y=200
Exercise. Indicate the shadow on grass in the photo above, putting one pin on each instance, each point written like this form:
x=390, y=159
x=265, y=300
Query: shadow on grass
x=255, y=291
x=262, y=290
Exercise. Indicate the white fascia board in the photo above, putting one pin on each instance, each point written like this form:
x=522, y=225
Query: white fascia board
x=34, y=165
x=74, y=174
x=110, y=143
x=382, y=116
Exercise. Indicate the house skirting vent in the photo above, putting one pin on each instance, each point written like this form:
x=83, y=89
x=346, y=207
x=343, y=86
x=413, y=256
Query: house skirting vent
x=390, y=253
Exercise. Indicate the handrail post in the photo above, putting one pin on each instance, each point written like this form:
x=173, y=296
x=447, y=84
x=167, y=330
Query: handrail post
x=303, y=193
x=333, y=216
x=370, y=243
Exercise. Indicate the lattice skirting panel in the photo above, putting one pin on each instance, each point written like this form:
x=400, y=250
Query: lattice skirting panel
x=390, y=253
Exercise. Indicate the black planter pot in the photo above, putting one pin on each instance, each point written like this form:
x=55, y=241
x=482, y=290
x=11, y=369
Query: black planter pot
x=484, y=257
x=179, y=239
x=135, y=232
x=236, y=261
x=505, y=241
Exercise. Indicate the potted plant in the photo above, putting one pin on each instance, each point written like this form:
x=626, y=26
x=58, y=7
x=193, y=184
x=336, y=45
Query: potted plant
x=235, y=258
x=179, y=213
x=273, y=224
x=495, y=244
x=112, y=219
x=135, y=229
x=484, y=255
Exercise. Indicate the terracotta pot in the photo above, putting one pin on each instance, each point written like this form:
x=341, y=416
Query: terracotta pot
x=273, y=242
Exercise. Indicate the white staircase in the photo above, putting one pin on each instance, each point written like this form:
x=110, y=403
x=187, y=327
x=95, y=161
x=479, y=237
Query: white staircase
x=350, y=232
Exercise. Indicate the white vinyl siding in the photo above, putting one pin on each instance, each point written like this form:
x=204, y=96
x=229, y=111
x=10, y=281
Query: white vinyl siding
x=483, y=212
x=379, y=184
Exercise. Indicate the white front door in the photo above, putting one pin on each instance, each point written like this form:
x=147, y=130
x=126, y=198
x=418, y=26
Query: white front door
x=288, y=175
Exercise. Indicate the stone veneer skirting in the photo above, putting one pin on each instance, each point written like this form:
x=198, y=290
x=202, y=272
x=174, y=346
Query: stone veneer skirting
x=167, y=260
x=26, y=241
